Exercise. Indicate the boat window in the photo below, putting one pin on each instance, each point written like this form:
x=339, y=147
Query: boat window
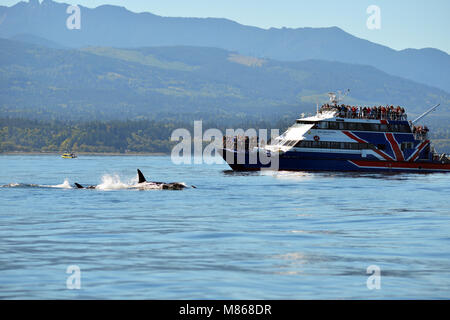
x=364, y=146
x=322, y=125
x=289, y=142
x=335, y=145
x=381, y=146
x=404, y=128
x=300, y=123
x=301, y=144
x=360, y=126
x=404, y=146
x=407, y=145
x=333, y=125
x=306, y=122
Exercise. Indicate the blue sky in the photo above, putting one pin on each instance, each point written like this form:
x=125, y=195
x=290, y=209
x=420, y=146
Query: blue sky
x=404, y=24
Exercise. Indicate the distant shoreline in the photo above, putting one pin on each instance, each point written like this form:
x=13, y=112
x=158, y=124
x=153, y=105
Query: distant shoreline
x=86, y=153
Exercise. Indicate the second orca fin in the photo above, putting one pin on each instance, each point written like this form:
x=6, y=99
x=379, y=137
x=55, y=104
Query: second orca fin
x=140, y=176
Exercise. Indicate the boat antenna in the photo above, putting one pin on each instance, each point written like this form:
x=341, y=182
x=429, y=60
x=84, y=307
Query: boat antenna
x=336, y=99
x=423, y=115
x=343, y=96
x=332, y=96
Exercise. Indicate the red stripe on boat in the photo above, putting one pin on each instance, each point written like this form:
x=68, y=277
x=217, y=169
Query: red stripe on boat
x=394, y=145
x=352, y=136
x=381, y=153
x=418, y=151
x=400, y=165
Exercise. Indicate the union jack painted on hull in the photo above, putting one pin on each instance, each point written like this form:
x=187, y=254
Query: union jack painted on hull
x=330, y=142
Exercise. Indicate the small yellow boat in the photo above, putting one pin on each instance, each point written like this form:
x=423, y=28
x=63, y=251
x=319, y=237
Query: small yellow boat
x=68, y=155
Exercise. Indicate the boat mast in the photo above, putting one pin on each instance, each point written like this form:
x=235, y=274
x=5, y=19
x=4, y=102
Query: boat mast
x=336, y=99
x=425, y=114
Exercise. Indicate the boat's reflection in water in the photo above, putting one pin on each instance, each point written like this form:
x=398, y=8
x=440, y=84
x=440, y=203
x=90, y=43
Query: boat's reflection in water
x=290, y=175
x=309, y=175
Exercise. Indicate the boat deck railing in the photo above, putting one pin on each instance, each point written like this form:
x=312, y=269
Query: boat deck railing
x=366, y=113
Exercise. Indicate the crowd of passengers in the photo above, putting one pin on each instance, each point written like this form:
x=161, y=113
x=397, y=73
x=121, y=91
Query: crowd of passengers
x=381, y=112
x=420, y=131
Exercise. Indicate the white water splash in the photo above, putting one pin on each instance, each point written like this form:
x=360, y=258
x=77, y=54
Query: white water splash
x=112, y=182
x=11, y=185
x=64, y=185
x=109, y=182
x=148, y=186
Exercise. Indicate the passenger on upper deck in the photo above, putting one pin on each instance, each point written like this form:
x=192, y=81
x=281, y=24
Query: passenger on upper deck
x=420, y=133
x=379, y=113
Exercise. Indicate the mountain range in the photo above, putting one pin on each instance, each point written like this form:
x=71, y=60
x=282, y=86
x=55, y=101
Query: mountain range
x=125, y=65
x=113, y=26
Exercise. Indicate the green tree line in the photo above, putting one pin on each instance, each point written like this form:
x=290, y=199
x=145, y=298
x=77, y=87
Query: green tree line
x=58, y=136
x=144, y=136
x=140, y=136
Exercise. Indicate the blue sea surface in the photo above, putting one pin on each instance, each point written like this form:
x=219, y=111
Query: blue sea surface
x=284, y=235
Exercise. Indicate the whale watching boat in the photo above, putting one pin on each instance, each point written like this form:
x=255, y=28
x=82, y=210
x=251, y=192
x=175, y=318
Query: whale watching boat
x=68, y=155
x=342, y=138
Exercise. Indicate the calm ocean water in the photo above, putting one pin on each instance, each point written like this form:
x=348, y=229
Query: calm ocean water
x=237, y=236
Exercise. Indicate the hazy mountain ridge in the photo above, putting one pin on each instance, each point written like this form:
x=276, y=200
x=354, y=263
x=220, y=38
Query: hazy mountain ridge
x=32, y=39
x=113, y=26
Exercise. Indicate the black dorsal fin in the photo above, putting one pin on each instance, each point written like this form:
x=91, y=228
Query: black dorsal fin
x=141, y=176
x=79, y=186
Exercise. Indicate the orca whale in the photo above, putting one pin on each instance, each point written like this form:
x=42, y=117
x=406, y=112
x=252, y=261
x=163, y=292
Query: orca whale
x=163, y=185
x=144, y=184
x=79, y=186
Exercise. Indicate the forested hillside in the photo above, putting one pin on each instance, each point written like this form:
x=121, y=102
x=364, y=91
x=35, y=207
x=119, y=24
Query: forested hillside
x=119, y=84
x=142, y=136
